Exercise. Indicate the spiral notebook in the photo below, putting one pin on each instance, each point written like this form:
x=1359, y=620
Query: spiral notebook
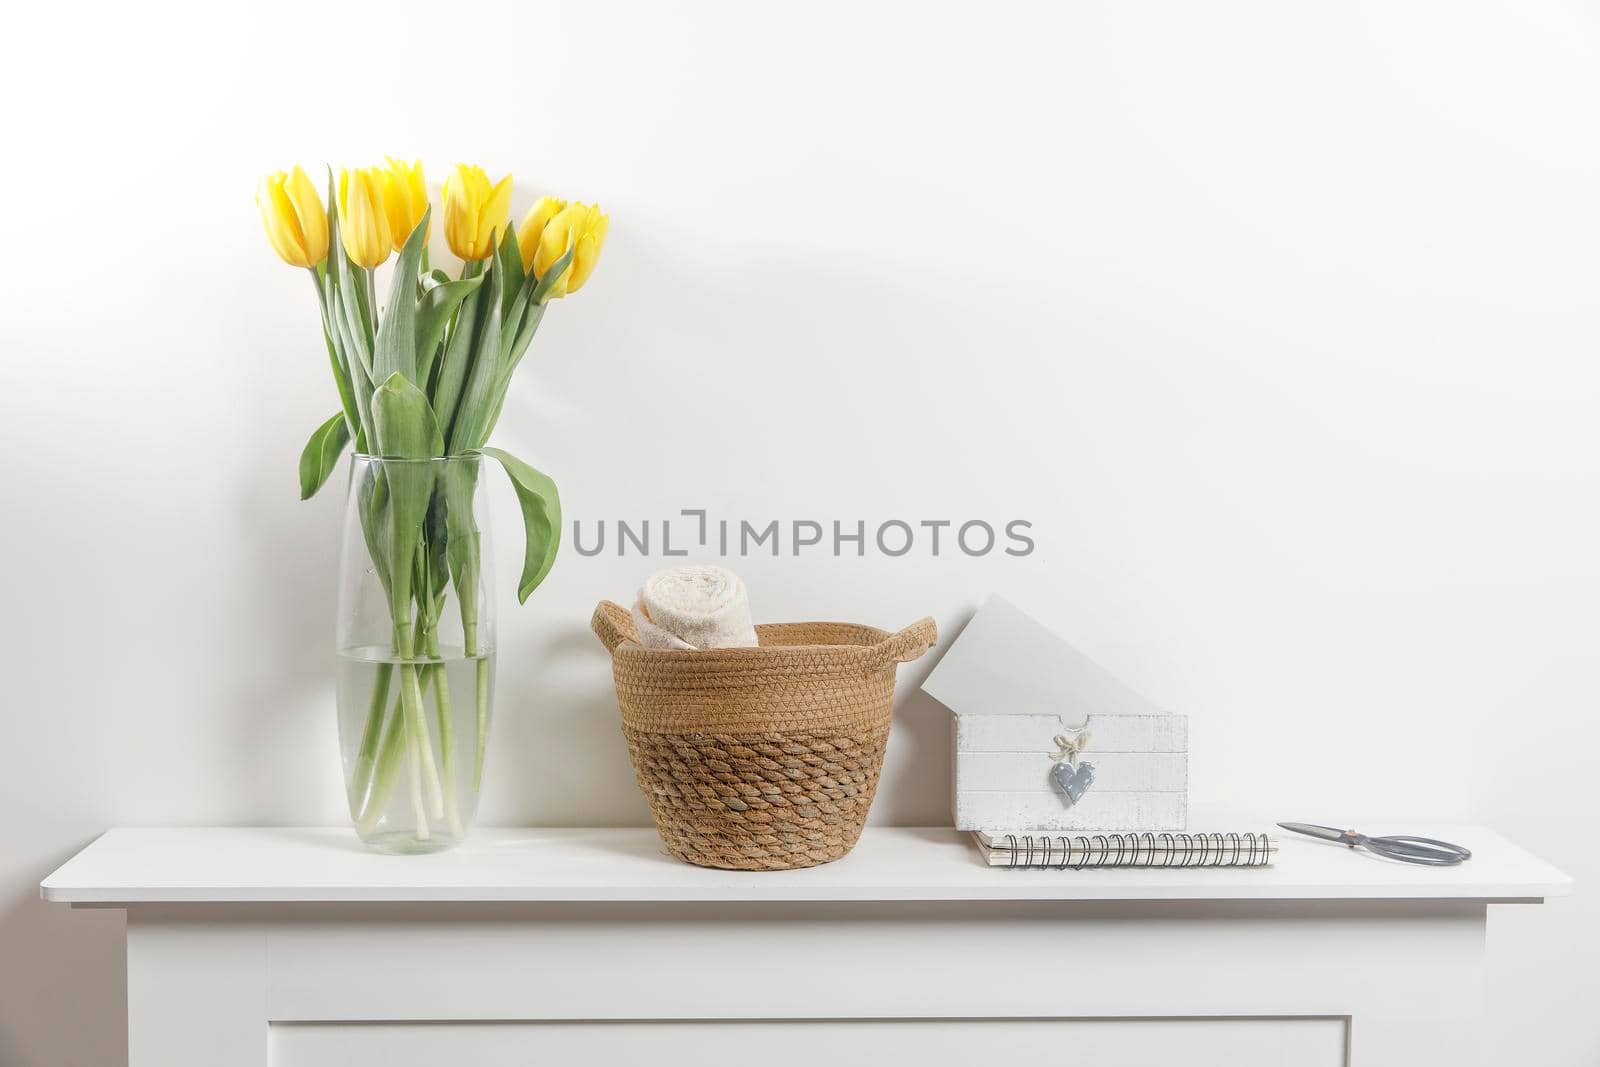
x=1075, y=852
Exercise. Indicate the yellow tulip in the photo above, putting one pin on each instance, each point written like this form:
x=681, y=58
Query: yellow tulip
x=363, y=225
x=580, y=227
x=533, y=224
x=295, y=221
x=474, y=211
x=405, y=198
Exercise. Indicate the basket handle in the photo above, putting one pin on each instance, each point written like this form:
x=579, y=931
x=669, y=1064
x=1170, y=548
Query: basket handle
x=908, y=644
x=613, y=624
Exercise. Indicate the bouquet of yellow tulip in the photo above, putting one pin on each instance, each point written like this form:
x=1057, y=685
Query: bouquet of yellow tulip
x=422, y=378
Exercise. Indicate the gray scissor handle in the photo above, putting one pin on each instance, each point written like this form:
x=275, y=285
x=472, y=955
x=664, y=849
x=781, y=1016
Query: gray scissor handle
x=1411, y=849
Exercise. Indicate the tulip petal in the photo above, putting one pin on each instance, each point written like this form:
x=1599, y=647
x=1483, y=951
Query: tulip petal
x=309, y=213
x=405, y=199
x=279, y=220
x=363, y=224
x=458, y=212
x=496, y=212
x=533, y=224
x=553, y=241
x=586, y=247
x=475, y=212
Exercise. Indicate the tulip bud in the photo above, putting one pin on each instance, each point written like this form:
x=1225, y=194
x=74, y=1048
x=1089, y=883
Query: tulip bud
x=533, y=225
x=294, y=218
x=580, y=227
x=363, y=225
x=405, y=199
x=474, y=211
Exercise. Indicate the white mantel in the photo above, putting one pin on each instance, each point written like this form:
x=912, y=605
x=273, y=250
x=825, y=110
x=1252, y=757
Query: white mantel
x=296, y=948
x=327, y=865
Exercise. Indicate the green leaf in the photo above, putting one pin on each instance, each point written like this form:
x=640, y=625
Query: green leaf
x=516, y=310
x=541, y=519
x=333, y=339
x=457, y=359
x=469, y=430
x=341, y=375
x=463, y=537
x=321, y=454
x=438, y=568
x=351, y=316
x=360, y=385
x=548, y=280
x=438, y=304
x=502, y=385
x=404, y=421
x=525, y=332
x=395, y=351
x=372, y=495
x=357, y=335
x=509, y=255
x=406, y=429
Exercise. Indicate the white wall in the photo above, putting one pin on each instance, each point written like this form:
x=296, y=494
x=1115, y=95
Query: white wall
x=1278, y=320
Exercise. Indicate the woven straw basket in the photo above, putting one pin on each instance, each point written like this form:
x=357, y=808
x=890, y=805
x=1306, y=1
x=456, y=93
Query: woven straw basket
x=759, y=759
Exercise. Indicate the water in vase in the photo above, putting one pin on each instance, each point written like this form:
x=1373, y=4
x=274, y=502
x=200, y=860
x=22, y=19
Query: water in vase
x=413, y=736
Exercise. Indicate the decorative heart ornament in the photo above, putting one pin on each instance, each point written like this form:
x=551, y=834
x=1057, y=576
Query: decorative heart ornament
x=1074, y=781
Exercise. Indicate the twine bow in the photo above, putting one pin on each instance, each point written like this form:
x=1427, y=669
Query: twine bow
x=1070, y=748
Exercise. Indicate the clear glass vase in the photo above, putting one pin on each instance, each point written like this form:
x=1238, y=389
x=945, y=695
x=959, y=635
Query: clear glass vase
x=416, y=649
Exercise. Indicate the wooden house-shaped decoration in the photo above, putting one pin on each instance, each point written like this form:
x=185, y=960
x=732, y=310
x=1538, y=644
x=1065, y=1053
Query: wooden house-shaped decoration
x=1048, y=740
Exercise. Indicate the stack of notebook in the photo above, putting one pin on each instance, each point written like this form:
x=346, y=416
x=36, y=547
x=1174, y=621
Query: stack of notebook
x=1079, y=851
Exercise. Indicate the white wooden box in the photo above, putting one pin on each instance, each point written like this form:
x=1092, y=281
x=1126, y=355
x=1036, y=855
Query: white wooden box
x=1003, y=765
x=1015, y=688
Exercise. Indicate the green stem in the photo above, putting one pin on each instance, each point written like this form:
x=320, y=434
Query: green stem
x=447, y=736
x=367, y=755
x=466, y=553
x=481, y=687
x=420, y=747
x=392, y=752
x=482, y=681
x=390, y=755
x=419, y=811
x=417, y=729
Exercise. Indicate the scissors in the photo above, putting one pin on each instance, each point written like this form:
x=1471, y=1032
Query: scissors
x=1404, y=847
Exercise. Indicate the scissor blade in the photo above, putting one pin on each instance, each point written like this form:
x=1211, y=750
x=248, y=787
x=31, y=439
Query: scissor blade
x=1327, y=833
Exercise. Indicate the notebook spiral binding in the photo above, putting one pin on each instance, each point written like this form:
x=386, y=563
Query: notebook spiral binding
x=1079, y=851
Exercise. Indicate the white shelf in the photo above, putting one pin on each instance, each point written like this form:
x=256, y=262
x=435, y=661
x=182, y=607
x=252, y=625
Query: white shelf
x=260, y=865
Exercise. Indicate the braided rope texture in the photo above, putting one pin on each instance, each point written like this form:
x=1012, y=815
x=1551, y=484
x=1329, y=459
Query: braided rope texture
x=761, y=758
x=758, y=802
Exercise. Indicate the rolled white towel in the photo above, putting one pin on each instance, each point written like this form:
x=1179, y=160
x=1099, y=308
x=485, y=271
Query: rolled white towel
x=694, y=607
